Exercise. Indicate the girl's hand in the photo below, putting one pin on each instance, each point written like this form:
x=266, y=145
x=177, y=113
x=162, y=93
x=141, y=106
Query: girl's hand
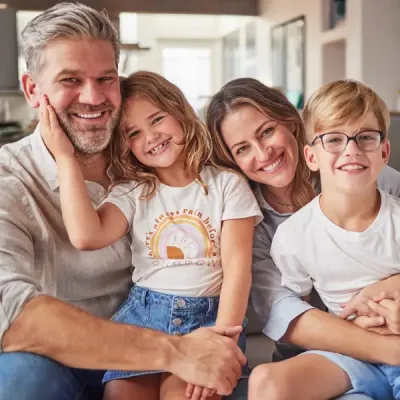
x=198, y=392
x=54, y=137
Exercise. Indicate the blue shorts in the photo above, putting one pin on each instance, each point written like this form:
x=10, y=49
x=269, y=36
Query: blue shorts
x=175, y=315
x=379, y=381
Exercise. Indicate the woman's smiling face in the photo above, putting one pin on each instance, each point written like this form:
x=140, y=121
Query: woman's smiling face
x=265, y=150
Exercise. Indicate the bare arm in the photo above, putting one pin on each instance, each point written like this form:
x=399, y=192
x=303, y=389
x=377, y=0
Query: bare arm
x=290, y=319
x=316, y=329
x=87, y=228
x=236, y=255
x=75, y=338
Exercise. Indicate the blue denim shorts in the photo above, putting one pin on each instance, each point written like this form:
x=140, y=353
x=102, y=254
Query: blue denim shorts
x=175, y=315
x=379, y=381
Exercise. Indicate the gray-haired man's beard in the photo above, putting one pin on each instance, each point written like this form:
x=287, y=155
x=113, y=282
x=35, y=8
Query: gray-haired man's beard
x=88, y=139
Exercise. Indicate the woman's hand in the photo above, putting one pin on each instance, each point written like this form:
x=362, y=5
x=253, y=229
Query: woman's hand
x=387, y=319
x=359, y=305
x=53, y=135
x=389, y=309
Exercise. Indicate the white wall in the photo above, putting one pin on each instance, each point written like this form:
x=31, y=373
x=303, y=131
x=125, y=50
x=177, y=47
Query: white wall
x=372, y=42
x=275, y=12
x=381, y=47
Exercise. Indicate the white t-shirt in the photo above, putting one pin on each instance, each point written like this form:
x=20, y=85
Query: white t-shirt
x=176, y=233
x=309, y=249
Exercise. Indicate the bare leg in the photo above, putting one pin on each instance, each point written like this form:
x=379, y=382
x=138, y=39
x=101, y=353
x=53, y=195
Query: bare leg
x=305, y=377
x=173, y=388
x=139, y=387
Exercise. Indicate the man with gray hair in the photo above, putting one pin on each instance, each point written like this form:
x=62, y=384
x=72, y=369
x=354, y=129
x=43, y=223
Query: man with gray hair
x=55, y=301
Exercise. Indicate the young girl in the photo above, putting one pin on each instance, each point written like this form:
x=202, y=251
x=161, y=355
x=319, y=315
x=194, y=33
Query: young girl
x=191, y=223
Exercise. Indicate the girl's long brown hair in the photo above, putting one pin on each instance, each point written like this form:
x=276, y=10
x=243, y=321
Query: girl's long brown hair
x=272, y=103
x=198, y=144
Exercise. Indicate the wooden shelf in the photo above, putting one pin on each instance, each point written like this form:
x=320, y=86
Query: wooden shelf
x=133, y=47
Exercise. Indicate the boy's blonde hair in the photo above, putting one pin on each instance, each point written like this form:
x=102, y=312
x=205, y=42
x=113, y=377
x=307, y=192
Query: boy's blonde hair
x=197, y=146
x=340, y=103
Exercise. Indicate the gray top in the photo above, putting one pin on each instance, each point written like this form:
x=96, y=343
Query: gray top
x=274, y=304
x=36, y=256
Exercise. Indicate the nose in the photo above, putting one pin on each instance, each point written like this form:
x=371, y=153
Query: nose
x=352, y=149
x=151, y=135
x=92, y=94
x=262, y=153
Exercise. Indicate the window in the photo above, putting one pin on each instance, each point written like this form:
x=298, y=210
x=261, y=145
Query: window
x=190, y=69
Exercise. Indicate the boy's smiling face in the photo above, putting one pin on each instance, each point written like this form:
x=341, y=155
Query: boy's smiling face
x=353, y=170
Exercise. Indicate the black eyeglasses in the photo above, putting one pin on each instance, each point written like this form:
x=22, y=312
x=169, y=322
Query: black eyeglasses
x=336, y=142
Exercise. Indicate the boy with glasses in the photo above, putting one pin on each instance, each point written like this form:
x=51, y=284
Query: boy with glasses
x=345, y=239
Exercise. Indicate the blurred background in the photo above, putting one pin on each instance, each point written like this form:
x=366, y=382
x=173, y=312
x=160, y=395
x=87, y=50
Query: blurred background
x=295, y=45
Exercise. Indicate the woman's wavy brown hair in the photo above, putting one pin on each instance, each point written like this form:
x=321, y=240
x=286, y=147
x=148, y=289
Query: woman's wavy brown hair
x=168, y=98
x=272, y=103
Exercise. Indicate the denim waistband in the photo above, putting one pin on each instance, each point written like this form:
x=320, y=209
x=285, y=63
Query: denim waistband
x=150, y=297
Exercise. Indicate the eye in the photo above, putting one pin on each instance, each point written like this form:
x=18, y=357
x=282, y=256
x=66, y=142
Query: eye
x=242, y=149
x=157, y=119
x=368, y=136
x=333, y=139
x=268, y=132
x=106, y=79
x=70, y=80
x=133, y=134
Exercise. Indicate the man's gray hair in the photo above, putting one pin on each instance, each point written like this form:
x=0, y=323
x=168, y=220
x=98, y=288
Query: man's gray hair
x=66, y=20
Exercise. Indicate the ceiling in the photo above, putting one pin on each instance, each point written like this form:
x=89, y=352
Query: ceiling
x=228, y=7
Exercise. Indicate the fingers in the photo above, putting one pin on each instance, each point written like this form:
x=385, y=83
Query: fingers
x=347, y=312
x=369, y=322
x=206, y=393
x=391, y=305
x=44, y=114
x=391, y=295
x=200, y=393
x=240, y=357
x=378, y=308
x=197, y=393
x=54, y=125
x=381, y=330
x=189, y=390
x=357, y=307
x=230, y=331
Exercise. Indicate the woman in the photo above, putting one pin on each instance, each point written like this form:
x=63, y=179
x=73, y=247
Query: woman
x=258, y=131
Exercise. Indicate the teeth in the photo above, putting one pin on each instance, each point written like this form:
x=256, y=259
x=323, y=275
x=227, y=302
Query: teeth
x=158, y=148
x=271, y=167
x=351, y=167
x=97, y=115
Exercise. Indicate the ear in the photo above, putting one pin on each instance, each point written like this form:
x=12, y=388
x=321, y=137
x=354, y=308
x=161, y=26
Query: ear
x=386, y=151
x=31, y=90
x=311, y=159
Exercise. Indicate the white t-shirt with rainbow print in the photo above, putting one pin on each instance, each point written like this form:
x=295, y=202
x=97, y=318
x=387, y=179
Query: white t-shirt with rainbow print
x=176, y=233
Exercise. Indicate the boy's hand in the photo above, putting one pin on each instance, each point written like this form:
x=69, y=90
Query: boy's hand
x=54, y=137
